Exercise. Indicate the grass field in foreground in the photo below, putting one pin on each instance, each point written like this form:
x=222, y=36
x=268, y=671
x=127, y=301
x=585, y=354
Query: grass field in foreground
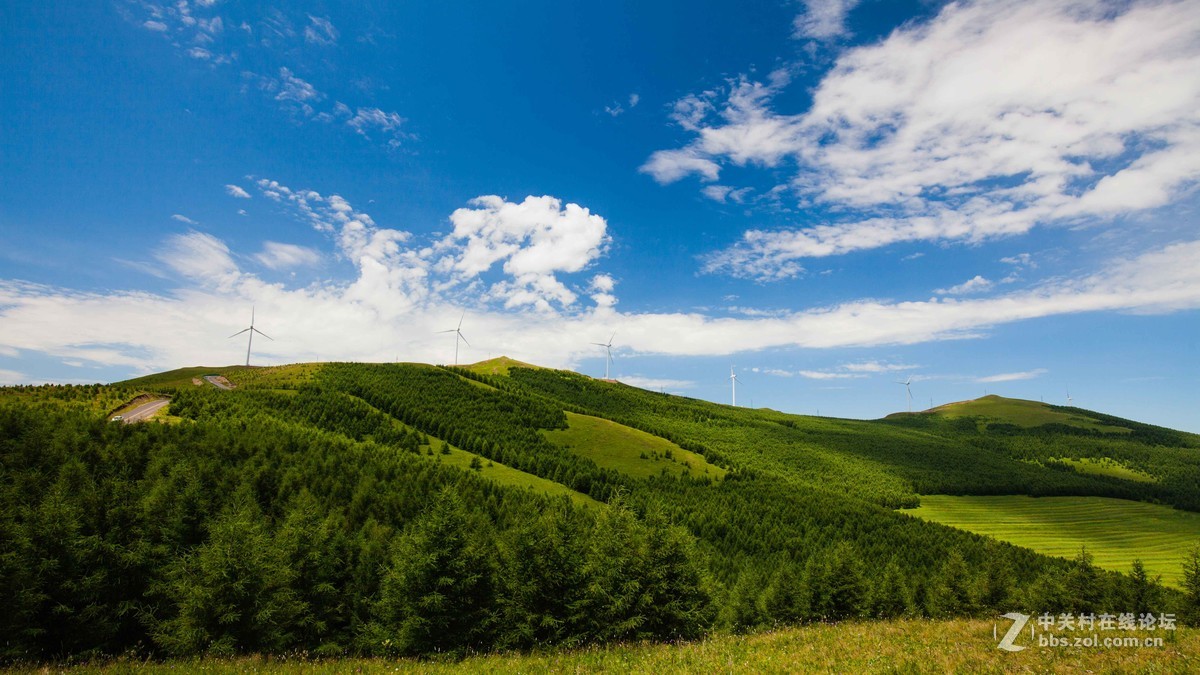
x=1115, y=531
x=631, y=451
x=873, y=647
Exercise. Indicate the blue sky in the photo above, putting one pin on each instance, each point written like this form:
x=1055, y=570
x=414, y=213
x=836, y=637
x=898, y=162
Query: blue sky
x=828, y=196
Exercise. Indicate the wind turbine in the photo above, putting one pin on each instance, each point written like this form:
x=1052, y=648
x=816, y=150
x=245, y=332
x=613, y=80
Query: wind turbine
x=908, y=388
x=251, y=330
x=608, y=348
x=1069, y=397
x=457, y=335
x=733, y=383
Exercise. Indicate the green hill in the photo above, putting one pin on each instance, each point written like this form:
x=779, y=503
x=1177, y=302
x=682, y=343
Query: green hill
x=349, y=508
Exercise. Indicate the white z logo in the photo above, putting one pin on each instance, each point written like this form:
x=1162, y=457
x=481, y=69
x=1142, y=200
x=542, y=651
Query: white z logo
x=1019, y=621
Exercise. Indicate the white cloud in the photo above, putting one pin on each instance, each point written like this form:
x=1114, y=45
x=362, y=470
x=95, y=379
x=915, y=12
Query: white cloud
x=401, y=292
x=235, y=191
x=668, y=166
x=1020, y=260
x=183, y=219
x=279, y=256
x=655, y=383
x=292, y=89
x=976, y=284
x=875, y=367
x=827, y=375
x=823, y=19
x=11, y=377
x=155, y=26
x=200, y=53
x=200, y=257
x=320, y=31
x=1012, y=377
x=536, y=239
x=1095, y=114
x=367, y=120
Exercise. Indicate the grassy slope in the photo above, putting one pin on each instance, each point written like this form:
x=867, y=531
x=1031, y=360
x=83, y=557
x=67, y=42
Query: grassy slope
x=497, y=366
x=1022, y=413
x=1106, y=466
x=614, y=446
x=1115, y=531
x=965, y=646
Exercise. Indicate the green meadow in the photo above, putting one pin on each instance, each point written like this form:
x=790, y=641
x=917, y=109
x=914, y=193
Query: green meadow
x=1115, y=531
x=630, y=451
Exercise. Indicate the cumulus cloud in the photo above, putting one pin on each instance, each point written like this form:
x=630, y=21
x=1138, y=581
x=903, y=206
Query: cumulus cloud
x=1095, y=114
x=976, y=284
x=1013, y=377
x=536, y=239
x=235, y=191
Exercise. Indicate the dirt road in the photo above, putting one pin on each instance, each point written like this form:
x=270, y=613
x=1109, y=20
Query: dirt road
x=144, y=411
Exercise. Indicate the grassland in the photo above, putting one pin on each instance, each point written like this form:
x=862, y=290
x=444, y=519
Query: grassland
x=496, y=366
x=506, y=475
x=632, y=452
x=1021, y=413
x=1115, y=531
x=1106, y=466
x=907, y=646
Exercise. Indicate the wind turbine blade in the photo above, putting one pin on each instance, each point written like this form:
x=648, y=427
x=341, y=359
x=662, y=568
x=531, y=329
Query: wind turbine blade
x=599, y=344
x=610, y=339
x=264, y=335
x=238, y=333
x=464, y=339
x=452, y=330
x=460, y=319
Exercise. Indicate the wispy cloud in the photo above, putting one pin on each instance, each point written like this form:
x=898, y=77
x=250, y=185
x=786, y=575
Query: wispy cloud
x=903, y=141
x=183, y=219
x=1013, y=377
x=823, y=19
x=279, y=256
x=236, y=191
x=320, y=31
x=976, y=284
x=656, y=383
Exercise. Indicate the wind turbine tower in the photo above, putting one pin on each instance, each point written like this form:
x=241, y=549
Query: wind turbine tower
x=251, y=330
x=607, y=348
x=908, y=389
x=457, y=335
x=733, y=383
x=1069, y=399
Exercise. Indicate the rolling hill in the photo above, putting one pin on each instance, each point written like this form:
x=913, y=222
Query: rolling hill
x=324, y=506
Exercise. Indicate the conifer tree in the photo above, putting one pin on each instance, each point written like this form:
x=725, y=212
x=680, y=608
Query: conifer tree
x=1190, y=607
x=437, y=594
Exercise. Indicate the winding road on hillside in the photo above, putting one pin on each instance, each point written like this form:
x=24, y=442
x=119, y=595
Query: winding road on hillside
x=218, y=381
x=144, y=411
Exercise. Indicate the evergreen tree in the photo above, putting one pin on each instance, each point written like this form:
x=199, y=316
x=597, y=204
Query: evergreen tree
x=1084, y=584
x=845, y=591
x=786, y=598
x=235, y=593
x=1189, y=611
x=437, y=594
x=1144, y=594
x=953, y=592
x=889, y=597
